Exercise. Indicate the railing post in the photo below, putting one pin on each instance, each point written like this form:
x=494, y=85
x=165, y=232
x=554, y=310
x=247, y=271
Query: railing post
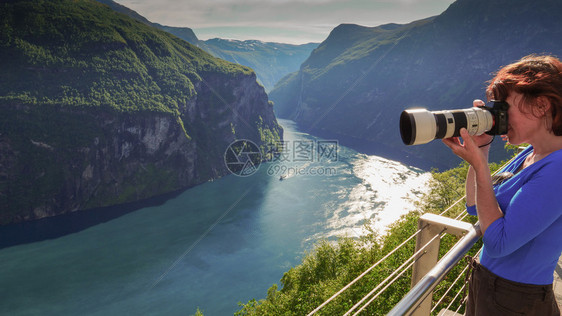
x=432, y=225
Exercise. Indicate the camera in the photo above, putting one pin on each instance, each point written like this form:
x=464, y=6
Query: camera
x=420, y=126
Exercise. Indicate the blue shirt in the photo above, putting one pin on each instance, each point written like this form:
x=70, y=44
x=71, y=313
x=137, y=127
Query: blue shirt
x=524, y=245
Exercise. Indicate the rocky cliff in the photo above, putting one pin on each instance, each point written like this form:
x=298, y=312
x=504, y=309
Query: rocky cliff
x=97, y=109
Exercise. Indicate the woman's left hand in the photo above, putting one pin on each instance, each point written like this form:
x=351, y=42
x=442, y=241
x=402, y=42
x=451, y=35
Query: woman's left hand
x=468, y=149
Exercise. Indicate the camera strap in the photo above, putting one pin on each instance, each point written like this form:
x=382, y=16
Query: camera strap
x=493, y=137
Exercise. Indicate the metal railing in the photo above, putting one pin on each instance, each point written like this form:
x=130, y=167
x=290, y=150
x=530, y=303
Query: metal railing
x=418, y=299
x=427, y=271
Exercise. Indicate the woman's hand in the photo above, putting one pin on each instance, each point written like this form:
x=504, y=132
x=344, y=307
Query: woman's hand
x=468, y=149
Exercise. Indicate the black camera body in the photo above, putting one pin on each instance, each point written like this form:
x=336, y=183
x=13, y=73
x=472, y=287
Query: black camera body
x=420, y=126
x=499, y=113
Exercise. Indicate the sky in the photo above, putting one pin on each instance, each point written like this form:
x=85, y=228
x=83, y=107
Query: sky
x=283, y=21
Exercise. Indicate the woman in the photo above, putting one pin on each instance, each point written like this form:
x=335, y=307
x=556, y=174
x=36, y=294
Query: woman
x=520, y=218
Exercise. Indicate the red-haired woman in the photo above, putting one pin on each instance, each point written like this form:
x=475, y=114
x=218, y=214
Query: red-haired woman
x=520, y=218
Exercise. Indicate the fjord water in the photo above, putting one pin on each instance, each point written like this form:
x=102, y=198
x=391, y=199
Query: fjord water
x=212, y=246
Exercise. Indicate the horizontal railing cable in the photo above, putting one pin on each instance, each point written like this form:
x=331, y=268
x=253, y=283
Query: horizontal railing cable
x=452, y=205
x=384, y=288
x=462, y=290
x=365, y=272
x=461, y=304
x=414, y=257
x=461, y=216
x=455, y=298
x=449, y=289
x=424, y=287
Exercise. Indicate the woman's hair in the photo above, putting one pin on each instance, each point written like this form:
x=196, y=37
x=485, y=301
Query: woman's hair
x=533, y=76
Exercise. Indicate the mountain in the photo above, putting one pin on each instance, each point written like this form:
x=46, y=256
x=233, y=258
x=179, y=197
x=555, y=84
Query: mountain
x=356, y=83
x=99, y=109
x=270, y=61
x=184, y=33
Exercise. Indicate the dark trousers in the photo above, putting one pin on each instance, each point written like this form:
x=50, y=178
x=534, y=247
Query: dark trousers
x=491, y=295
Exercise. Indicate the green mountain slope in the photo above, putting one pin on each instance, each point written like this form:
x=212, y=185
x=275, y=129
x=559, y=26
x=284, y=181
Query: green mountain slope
x=98, y=109
x=356, y=83
x=270, y=61
x=85, y=54
x=184, y=33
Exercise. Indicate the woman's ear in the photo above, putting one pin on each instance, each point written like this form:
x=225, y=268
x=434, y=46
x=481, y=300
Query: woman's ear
x=543, y=106
x=543, y=110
